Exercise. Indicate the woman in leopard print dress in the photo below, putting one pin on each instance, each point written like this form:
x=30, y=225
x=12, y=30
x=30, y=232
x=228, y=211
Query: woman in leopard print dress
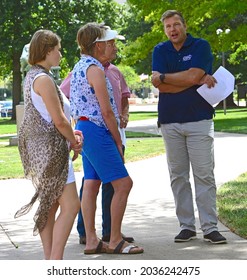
x=45, y=139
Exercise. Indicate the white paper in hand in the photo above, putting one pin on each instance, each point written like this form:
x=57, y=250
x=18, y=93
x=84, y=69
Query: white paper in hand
x=223, y=87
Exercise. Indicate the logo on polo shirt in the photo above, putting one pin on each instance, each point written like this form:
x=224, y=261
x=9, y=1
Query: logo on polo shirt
x=187, y=57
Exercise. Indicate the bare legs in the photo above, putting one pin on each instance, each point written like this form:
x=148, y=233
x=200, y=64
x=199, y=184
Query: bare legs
x=88, y=206
x=46, y=234
x=56, y=232
x=122, y=188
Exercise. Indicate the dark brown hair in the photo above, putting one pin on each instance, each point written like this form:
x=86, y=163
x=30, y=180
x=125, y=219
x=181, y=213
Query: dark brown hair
x=171, y=13
x=41, y=43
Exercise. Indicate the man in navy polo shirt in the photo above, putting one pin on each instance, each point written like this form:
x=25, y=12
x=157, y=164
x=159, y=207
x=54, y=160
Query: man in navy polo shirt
x=180, y=65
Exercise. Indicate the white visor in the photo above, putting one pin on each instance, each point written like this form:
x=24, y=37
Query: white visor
x=110, y=35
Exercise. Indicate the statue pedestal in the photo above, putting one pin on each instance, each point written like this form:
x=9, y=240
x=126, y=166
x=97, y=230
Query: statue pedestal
x=13, y=141
x=19, y=115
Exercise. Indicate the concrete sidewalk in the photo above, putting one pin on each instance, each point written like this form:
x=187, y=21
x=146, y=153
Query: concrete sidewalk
x=150, y=215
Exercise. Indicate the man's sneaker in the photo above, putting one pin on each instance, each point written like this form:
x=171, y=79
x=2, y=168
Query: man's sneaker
x=215, y=237
x=185, y=235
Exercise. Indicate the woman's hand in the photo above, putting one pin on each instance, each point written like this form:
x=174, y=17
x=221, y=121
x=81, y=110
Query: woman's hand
x=77, y=147
x=120, y=149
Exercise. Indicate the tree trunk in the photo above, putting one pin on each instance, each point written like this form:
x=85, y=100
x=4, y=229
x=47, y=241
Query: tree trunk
x=229, y=103
x=16, y=83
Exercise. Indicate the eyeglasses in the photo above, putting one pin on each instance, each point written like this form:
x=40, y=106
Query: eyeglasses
x=108, y=43
x=111, y=44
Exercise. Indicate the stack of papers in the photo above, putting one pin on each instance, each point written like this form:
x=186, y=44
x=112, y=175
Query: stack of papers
x=223, y=88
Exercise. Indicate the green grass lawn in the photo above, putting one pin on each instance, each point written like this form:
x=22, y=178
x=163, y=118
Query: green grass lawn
x=10, y=162
x=7, y=126
x=4, y=139
x=137, y=149
x=232, y=205
x=138, y=116
x=139, y=146
x=235, y=121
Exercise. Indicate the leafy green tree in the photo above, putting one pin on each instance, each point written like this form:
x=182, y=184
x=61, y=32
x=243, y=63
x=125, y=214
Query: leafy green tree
x=131, y=77
x=20, y=19
x=135, y=27
x=203, y=18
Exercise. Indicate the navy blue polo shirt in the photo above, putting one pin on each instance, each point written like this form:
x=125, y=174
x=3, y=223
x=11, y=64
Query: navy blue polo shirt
x=187, y=105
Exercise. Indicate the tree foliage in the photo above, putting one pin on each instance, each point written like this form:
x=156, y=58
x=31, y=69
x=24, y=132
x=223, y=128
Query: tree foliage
x=203, y=18
x=138, y=21
x=135, y=27
x=131, y=76
x=20, y=20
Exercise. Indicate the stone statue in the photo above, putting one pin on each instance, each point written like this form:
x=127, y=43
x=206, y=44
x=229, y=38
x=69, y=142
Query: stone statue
x=25, y=66
x=24, y=60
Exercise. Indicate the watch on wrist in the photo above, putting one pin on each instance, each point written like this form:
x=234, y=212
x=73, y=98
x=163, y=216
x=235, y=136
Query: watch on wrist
x=162, y=77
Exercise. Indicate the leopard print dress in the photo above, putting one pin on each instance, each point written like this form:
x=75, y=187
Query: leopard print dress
x=44, y=154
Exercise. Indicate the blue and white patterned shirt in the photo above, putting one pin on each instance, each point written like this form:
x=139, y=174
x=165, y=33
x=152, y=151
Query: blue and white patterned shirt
x=83, y=100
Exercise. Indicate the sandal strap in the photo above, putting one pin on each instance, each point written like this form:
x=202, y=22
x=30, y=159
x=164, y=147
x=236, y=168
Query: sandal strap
x=117, y=250
x=127, y=249
x=99, y=247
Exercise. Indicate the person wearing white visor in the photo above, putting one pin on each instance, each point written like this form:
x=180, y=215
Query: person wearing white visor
x=94, y=109
x=121, y=94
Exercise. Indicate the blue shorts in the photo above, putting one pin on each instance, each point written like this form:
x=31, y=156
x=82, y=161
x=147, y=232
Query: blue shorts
x=100, y=156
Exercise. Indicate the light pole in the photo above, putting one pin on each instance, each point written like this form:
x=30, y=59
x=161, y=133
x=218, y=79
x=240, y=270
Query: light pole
x=220, y=32
x=143, y=78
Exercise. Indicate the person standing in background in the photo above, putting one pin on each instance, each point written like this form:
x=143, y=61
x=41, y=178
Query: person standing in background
x=95, y=112
x=121, y=94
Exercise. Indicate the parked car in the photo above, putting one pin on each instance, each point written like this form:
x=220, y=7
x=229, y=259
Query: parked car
x=6, y=108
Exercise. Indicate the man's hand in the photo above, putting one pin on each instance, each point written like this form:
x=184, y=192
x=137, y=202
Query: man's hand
x=155, y=79
x=209, y=80
x=124, y=121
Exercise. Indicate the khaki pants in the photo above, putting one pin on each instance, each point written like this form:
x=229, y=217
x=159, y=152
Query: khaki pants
x=192, y=144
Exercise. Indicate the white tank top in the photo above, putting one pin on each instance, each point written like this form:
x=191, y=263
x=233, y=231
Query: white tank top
x=40, y=105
